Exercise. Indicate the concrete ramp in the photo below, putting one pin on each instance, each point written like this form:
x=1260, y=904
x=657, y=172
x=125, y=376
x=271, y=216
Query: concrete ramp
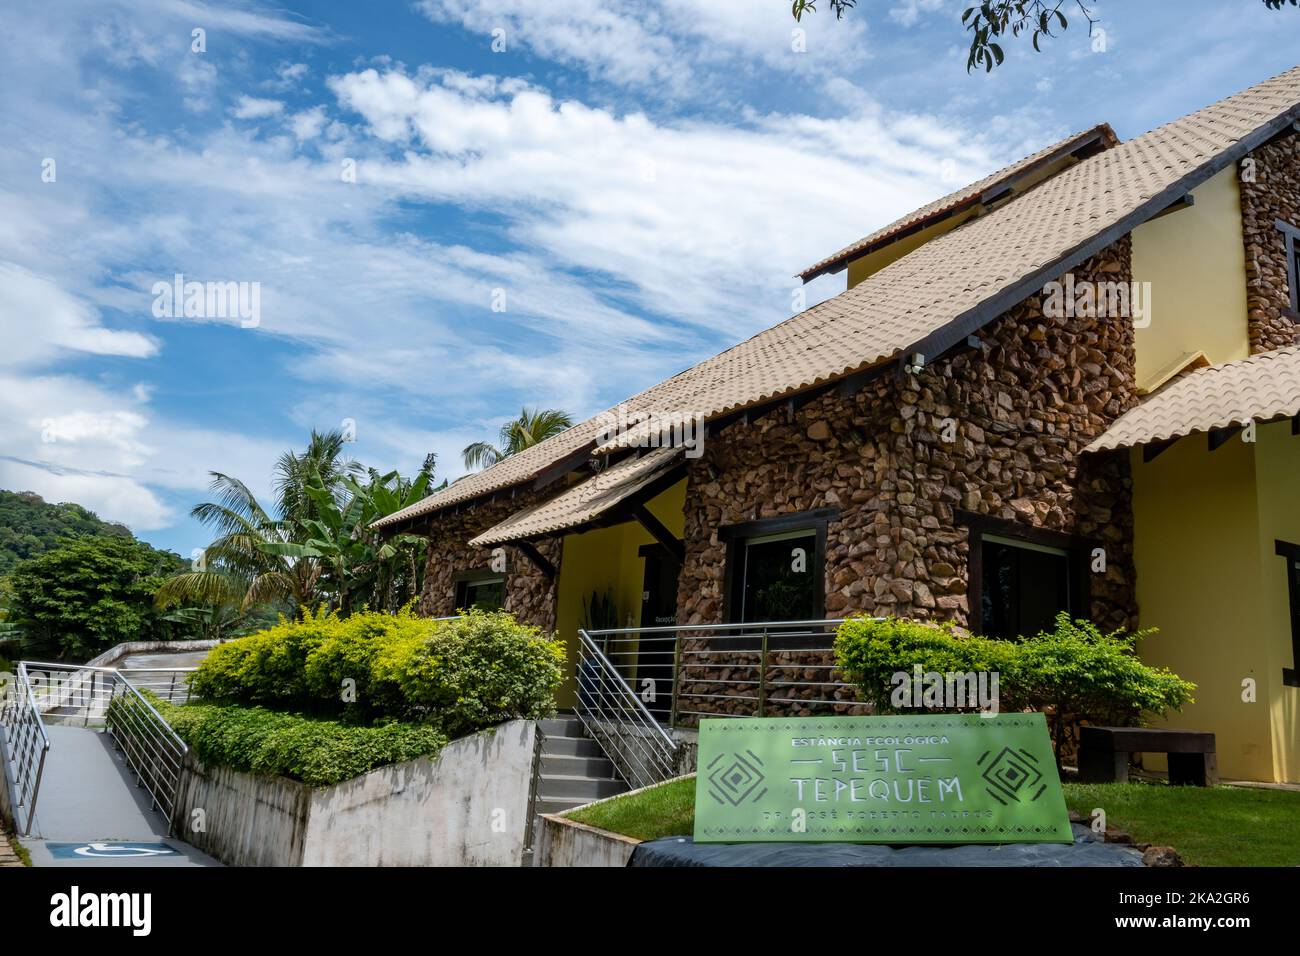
x=91, y=812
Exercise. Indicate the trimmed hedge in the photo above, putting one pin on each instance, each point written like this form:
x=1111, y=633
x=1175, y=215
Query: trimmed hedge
x=480, y=669
x=1074, y=669
x=317, y=751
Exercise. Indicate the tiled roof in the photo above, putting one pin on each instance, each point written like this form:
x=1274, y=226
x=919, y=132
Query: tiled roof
x=582, y=503
x=970, y=195
x=1260, y=388
x=947, y=288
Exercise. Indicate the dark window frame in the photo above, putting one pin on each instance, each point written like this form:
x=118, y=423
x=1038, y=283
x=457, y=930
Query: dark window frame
x=1291, y=238
x=1078, y=551
x=1285, y=549
x=461, y=581
x=737, y=536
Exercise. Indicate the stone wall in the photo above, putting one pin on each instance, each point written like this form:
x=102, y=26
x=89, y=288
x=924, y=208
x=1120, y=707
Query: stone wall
x=1024, y=405
x=530, y=595
x=1274, y=194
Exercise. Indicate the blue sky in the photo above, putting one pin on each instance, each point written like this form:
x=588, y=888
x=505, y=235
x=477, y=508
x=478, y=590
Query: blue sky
x=639, y=180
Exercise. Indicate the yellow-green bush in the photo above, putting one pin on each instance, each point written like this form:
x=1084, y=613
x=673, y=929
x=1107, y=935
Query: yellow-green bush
x=463, y=674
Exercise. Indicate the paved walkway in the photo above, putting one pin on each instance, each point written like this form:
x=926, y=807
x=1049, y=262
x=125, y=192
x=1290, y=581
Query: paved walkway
x=7, y=855
x=91, y=813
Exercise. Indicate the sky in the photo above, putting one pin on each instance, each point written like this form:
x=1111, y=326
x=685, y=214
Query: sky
x=438, y=212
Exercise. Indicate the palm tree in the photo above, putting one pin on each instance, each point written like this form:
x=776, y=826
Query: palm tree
x=324, y=457
x=529, y=429
x=237, y=567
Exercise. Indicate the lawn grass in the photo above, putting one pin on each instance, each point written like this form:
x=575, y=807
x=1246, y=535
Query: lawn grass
x=1223, y=826
x=1220, y=826
x=665, y=810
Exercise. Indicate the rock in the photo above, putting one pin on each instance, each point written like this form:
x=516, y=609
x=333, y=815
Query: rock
x=1161, y=856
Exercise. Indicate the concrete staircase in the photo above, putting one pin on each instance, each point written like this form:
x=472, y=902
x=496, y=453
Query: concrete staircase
x=574, y=769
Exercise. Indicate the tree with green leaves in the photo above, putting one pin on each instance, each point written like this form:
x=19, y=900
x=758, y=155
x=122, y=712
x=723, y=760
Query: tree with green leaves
x=315, y=548
x=90, y=593
x=357, y=566
x=991, y=22
x=531, y=428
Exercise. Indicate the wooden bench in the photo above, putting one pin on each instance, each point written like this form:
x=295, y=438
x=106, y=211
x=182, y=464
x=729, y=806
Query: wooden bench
x=1104, y=754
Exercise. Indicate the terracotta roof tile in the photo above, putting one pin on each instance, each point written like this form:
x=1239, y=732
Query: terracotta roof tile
x=583, y=502
x=966, y=196
x=942, y=287
x=1260, y=388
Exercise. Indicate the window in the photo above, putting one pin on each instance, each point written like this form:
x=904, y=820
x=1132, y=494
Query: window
x=1021, y=578
x=481, y=590
x=1024, y=586
x=776, y=568
x=1291, y=675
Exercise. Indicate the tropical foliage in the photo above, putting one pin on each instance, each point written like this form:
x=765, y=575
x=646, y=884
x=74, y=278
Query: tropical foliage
x=319, y=752
x=326, y=697
x=91, y=593
x=30, y=525
x=314, y=547
x=531, y=428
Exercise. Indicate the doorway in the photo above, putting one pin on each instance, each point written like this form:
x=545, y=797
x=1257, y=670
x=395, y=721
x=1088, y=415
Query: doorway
x=656, y=652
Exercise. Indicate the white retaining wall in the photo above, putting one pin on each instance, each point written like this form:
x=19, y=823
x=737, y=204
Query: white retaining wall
x=468, y=806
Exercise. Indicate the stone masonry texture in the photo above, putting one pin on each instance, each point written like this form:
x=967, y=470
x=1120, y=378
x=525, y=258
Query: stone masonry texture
x=1270, y=190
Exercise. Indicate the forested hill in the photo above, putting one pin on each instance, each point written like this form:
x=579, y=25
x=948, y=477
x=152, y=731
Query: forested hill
x=30, y=525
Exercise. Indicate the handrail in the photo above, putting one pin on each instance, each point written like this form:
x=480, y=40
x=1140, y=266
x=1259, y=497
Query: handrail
x=747, y=669
x=151, y=748
x=27, y=745
x=642, y=752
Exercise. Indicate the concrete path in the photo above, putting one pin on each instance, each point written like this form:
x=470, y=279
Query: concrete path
x=89, y=796
x=164, y=661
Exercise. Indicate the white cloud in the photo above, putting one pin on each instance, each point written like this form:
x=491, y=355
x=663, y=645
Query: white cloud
x=682, y=48
x=684, y=214
x=909, y=12
x=252, y=107
x=29, y=302
x=308, y=124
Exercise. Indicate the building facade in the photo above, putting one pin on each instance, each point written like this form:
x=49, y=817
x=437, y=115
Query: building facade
x=1071, y=386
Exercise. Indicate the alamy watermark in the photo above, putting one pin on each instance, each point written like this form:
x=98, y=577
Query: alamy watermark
x=933, y=690
x=208, y=300
x=1088, y=299
x=652, y=430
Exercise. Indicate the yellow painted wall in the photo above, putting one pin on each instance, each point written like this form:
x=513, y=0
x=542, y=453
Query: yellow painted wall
x=607, y=558
x=1196, y=264
x=872, y=263
x=868, y=265
x=1199, y=568
x=1277, y=466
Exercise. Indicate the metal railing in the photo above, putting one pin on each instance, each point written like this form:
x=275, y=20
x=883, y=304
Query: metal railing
x=640, y=749
x=167, y=683
x=26, y=745
x=685, y=672
x=105, y=696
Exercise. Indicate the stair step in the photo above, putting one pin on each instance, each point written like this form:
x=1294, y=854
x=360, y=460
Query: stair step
x=571, y=747
x=574, y=765
x=562, y=787
x=560, y=804
x=562, y=727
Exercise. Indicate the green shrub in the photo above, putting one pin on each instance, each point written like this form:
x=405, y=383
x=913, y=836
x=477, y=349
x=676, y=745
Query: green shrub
x=477, y=670
x=1074, y=670
x=1077, y=670
x=462, y=675
x=872, y=651
x=317, y=751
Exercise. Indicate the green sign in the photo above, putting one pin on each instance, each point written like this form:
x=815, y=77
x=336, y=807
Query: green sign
x=952, y=778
